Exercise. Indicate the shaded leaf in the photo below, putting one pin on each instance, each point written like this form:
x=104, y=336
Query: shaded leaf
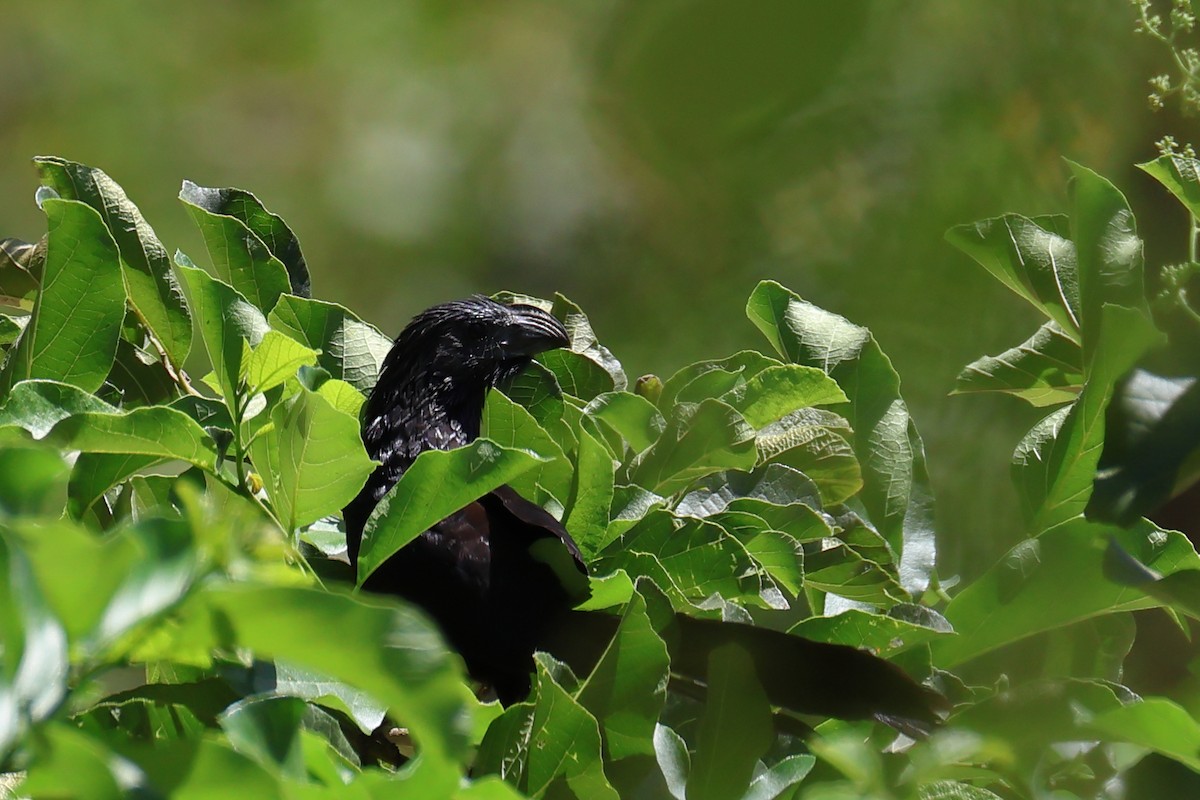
x=735, y=730
x=550, y=739
x=1180, y=175
x=817, y=443
x=21, y=265
x=1109, y=254
x=1152, y=427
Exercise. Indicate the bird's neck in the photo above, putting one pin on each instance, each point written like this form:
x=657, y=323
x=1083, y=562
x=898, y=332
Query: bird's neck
x=433, y=412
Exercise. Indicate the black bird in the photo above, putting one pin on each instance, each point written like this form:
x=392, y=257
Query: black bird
x=492, y=574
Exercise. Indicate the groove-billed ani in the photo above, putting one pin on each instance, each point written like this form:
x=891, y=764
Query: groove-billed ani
x=492, y=573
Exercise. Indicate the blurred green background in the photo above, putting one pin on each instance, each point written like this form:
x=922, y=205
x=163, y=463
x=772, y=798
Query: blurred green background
x=652, y=160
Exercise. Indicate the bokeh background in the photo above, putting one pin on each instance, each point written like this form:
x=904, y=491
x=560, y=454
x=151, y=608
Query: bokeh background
x=652, y=160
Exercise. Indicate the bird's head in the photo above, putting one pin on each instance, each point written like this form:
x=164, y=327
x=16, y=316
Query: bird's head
x=478, y=340
x=456, y=351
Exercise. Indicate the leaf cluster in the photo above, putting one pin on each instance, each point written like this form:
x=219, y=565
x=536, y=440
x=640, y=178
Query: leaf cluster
x=179, y=617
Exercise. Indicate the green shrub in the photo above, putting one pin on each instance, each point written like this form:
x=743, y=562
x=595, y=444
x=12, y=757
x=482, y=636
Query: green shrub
x=175, y=448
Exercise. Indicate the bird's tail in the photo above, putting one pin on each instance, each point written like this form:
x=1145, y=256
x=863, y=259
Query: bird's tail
x=798, y=675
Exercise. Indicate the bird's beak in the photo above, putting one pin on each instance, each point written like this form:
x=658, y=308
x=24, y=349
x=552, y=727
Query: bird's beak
x=533, y=331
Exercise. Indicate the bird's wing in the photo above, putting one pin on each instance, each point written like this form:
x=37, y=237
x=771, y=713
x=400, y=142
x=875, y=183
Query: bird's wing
x=522, y=523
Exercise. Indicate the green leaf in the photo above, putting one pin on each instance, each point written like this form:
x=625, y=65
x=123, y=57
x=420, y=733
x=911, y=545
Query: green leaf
x=550, y=740
x=95, y=473
x=270, y=229
x=21, y=265
x=11, y=328
x=240, y=256
x=537, y=390
x=1109, y=253
x=690, y=559
x=772, y=484
x=697, y=441
x=72, y=764
x=817, y=443
x=1054, y=580
x=953, y=790
x=267, y=729
x=886, y=634
x=627, y=688
x=578, y=375
x=896, y=492
x=833, y=566
x=1044, y=370
x=735, y=730
x=1179, y=590
x=293, y=681
x=1155, y=723
x=32, y=482
x=634, y=417
x=1180, y=175
x=226, y=320
x=275, y=359
x=203, y=768
x=139, y=378
x=773, y=782
x=116, y=582
x=387, y=649
x=511, y=425
x=149, y=431
x=33, y=672
x=712, y=378
x=38, y=405
x=671, y=753
x=1034, y=260
x=76, y=322
x=350, y=349
x=1055, y=464
x=154, y=292
x=1150, y=434
x=587, y=508
x=311, y=459
x=776, y=392
x=436, y=485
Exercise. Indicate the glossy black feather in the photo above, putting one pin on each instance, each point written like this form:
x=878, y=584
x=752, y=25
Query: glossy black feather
x=502, y=575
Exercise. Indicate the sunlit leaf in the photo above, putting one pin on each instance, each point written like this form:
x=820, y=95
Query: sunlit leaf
x=76, y=322
x=240, y=256
x=350, y=349
x=1044, y=370
x=436, y=485
x=896, y=490
x=154, y=292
